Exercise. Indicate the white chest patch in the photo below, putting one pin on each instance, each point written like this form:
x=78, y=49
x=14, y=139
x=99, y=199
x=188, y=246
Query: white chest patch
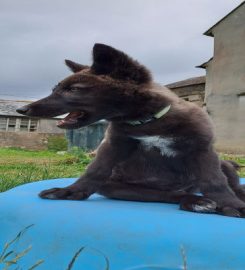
x=163, y=144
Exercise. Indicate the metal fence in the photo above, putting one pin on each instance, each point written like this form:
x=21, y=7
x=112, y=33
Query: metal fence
x=87, y=138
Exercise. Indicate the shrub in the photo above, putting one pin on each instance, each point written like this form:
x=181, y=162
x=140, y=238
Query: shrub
x=81, y=155
x=57, y=143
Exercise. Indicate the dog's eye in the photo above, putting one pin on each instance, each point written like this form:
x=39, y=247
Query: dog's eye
x=75, y=89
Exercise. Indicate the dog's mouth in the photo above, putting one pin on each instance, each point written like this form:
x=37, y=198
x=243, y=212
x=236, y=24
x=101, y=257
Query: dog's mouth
x=72, y=119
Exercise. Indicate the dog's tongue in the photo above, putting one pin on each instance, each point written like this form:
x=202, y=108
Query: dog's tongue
x=71, y=118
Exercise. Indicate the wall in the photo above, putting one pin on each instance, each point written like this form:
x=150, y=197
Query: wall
x=28, y=140
x=225, y=83
x=49, y=126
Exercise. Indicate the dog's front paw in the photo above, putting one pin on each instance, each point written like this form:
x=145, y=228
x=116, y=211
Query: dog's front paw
x=64, y=194
x=198, y=204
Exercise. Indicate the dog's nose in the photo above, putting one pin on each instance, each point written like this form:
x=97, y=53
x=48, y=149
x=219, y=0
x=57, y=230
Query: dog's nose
x=23, y=110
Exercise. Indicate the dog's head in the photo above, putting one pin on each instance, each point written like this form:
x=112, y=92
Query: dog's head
x=108, y=89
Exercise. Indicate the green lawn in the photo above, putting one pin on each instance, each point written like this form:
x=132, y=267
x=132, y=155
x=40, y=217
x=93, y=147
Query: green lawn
x=240, y=159
x=19, y=166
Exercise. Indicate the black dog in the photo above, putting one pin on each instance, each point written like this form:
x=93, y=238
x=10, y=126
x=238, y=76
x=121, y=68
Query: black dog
x=157, y=147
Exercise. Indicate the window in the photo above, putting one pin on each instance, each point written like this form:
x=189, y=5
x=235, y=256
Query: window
x=33, y=125
x=11, y=125
x=24, y=123
x=3, y=123
x=14, y=124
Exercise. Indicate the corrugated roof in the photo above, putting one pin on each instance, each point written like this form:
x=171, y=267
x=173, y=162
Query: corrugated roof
x=209, y=31
x=8, y=107
x=187, y=82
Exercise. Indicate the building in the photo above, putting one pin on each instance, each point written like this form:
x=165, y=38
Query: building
x=17, y=130
x=192, y=89
x=225, y=81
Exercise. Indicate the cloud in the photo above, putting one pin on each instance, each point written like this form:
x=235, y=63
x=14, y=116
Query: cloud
x=166, y=36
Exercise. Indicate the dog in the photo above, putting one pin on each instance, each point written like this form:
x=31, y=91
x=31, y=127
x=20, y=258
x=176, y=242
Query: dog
x=157, y=147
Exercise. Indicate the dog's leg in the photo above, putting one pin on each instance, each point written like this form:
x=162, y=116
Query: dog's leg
x=131, y=192
x=214, y=185
x=230, y=168
x=99, y=171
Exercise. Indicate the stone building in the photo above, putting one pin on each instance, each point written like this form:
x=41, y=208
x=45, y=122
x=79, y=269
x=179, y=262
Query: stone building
x=17, y=130
x=225, y=80
x=192, y=89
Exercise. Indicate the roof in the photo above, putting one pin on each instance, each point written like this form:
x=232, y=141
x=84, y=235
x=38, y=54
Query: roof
x=187, y=82
x=209, y=31
x=13, y=97
x=205, y=64
x=8, y=107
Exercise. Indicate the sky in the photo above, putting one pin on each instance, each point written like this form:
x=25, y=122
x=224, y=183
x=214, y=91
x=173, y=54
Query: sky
x=164, y=35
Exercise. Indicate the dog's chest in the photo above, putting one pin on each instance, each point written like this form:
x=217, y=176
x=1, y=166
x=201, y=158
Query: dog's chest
x=164, y=145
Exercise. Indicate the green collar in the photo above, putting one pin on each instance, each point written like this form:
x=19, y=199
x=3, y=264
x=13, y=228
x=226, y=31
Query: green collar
x=152, y=118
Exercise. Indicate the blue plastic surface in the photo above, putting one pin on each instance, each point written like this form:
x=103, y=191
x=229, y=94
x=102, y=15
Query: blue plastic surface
x=132, y=235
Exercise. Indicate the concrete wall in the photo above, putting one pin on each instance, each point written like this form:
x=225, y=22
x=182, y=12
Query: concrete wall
x=31, y=140
x=225, y=83
x=28, y=140
x=49, y=126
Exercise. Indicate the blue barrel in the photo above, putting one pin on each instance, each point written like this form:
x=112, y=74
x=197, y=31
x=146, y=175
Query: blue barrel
x=103, y=234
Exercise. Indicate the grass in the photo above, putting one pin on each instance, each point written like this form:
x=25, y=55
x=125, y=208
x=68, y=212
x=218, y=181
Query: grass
x=10, y=257
x=240, y=159
x=19, y=166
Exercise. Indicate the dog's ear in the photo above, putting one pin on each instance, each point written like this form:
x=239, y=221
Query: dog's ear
x=118, y=65
x=74, y=67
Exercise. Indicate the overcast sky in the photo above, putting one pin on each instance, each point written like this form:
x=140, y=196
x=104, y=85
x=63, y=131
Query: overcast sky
x=165, y=35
